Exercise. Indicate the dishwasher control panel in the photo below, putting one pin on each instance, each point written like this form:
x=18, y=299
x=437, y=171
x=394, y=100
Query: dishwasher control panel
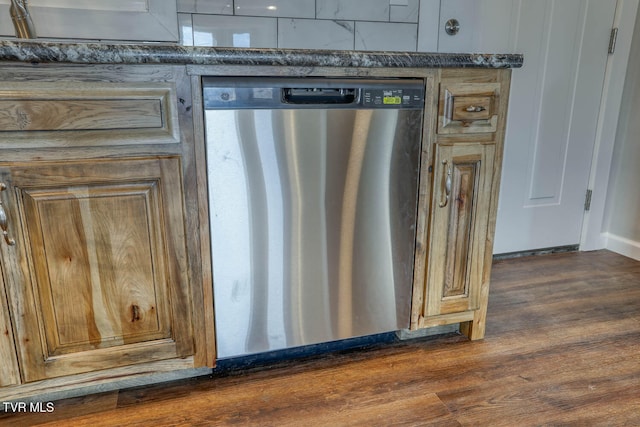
x=312, y=93
x=388, y=97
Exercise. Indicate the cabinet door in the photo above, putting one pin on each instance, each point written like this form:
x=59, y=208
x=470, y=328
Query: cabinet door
x=459, y=221
x=9, y=373
x=99, y=269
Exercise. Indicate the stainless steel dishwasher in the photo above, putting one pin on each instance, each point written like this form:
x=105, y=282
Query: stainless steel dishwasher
x=313, y=198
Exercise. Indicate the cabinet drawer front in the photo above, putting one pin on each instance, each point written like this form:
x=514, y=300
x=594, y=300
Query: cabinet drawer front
x=472, y=108
x=80, y=114
x=468, y=108
x=87, y=114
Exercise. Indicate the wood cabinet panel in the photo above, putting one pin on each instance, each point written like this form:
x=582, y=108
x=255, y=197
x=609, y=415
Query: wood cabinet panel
x=82, y=114
x=102, y=284
x=9, y=373
x=77, y=235
x=460, y=201
x=459, y=227
x=465, y=186
x=28, y=115
x=104, y=261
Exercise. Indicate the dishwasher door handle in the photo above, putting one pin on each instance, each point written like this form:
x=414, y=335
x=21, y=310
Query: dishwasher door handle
x=319, y=96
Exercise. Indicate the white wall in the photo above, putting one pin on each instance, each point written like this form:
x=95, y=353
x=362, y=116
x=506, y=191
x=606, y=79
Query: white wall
x=485, y=26
x=622, y=220
x=311, y=24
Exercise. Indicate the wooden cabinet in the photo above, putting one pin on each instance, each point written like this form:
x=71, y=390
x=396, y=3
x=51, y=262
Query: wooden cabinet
x=105, y=268
x=459, y=221
x=459, y=201
x=9, y=372
x=99, y=264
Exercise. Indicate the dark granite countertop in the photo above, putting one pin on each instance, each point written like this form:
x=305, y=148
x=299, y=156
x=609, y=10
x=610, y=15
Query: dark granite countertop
x=102, y=53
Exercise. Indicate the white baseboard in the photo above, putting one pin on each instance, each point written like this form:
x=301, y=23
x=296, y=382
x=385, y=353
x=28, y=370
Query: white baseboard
x=623, y=246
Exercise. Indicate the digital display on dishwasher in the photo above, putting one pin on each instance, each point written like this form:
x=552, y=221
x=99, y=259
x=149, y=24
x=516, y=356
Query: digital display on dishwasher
x=411, y=98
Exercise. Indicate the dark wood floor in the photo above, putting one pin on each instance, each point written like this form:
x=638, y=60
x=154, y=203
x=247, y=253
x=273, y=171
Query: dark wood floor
x=562, y=348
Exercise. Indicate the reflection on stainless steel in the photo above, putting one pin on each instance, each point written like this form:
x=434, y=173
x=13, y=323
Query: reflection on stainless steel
x=313, y=216
x=21, y=19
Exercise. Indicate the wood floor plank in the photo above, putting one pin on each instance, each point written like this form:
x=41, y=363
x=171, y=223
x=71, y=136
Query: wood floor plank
x=562, y=348
x=282, y=405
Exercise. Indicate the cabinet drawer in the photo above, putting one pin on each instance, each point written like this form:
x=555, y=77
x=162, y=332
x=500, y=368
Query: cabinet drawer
x=86, y=114
x=468, y=108
x=79, y=114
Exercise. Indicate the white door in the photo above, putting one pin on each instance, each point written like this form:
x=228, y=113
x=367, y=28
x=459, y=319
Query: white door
x=484, y=26
x=553, y=112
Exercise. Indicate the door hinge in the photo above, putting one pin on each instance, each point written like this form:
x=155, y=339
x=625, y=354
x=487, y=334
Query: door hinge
x=587, y=200
x=612, y=40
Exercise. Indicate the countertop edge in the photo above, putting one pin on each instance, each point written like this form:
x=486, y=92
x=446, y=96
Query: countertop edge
x=105, y=53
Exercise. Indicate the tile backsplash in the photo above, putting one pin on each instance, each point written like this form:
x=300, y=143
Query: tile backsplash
x=309, y=24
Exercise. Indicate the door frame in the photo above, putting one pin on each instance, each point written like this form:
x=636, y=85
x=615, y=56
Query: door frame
x=594, y=234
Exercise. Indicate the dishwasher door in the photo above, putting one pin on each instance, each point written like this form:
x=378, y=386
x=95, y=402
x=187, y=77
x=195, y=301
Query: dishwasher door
x=313, y=214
